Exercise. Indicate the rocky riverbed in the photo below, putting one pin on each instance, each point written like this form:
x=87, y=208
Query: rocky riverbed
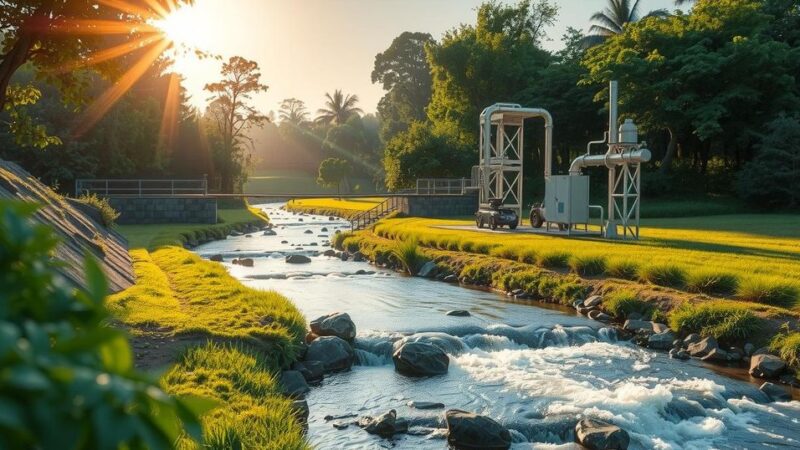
x=529, y=376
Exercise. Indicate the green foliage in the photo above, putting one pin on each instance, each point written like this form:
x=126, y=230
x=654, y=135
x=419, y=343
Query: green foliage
x=769, y=291
x=787, y=345
x=669, y=275
x=55, y=348
x=409, y=255
x=589, y=266
x=622, y=303
x=725, y=321
x=107, y=212
x=333, y=171
x=772, y=178
x=553, y=259
x=622, y=268
x=712, y=282
x=479, y=274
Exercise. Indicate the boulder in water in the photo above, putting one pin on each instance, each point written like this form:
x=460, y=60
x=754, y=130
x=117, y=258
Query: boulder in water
x=358, y=257
x=600, y=316
x=308, y=232
x=702, y=347
x=425, y=405
x=300, y=410
x=420, y=359
x=293, y=384
x=427, y=270
x=298, y=259
x=636, y=325
x=458, y=313
x=450, y=279
x=661, y=341
x=766, y=366
x=334, y=353
x=468, y=431
x=312, y=371
x=445, y=342
x=598, y=435
x=246, y=262
x=775, y=392
x=270, y=232
x=716, y=355
x=386, y=425
x=594, y=300
x=335, y=324
x=329, y=252
x=216, y=258
x=324, y=229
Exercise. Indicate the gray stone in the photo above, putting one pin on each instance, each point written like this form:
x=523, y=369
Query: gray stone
x=246, y=262
x=386, y=425
x=636, y=325
x=216, y=258
x=659, y=327
x=470, y=431
x=749, y=349
x=458, y=313
x=312, y=371
x=420, y=359
x=716, y=355
x=776, y=393
x=735, y=354
x=692, y=339
x=594, y=300
x=599, y=435
x=270, y=232
x=450, y=279
x=335, y=324
x=445, y=342
x=344, y=256
x=702, y=347
x=293, y=384
x=341, y=425
x=333, y=352
x=358, y=257
x=324, y=229
x=676, y=353
x=300, y=410
x=634, y=316
x=599, y=316
x=766, y=366
x=661, y=341
x=329, y=252
x=297, y=259
x=308, y=232
x=425, y=405
x=428, y=270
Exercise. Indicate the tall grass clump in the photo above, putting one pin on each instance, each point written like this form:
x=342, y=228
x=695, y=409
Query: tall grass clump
x=712, y=283
x=668, y=275
x=588, y=266
x=623, y=303
x=725, y=321
x=553, y=260
x=504, y=251
x=409, y=255
x=527, y=256
x=787, y=345
x=108, y=214
x=769, y=292
x=338, y=239
x=623, y=269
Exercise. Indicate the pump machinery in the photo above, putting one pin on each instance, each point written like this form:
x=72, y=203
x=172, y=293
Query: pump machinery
x=566, y=201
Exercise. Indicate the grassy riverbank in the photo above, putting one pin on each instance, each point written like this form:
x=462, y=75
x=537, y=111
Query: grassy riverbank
x=220, y=339
x=333, y=207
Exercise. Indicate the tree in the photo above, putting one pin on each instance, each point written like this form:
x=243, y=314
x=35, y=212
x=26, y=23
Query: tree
x=405, y=74
x=333, y=172
x=293, y=111
x=232, y=115
x=613, y=19
x=338, y=108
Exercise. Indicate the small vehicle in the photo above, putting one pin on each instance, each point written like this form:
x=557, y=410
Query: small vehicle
x=496, y=216
x=537, y=217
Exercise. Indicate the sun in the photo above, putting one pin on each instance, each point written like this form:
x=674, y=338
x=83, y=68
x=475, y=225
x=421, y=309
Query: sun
x=181, y=27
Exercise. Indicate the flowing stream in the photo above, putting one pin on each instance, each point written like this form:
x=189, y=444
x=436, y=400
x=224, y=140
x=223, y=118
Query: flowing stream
x=534, y=369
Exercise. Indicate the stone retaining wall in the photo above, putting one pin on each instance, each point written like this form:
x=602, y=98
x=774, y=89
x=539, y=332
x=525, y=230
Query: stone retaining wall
x=159, y=210
x=439, y=205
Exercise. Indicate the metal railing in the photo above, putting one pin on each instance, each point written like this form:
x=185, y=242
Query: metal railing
x=367, y=218
x=443, y=186
x=141, y=187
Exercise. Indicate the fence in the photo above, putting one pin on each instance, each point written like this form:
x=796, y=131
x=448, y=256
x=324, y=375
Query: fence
x=141, y=188
x=443, y=186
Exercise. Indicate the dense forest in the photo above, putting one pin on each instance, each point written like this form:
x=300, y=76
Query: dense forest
x=714, y=86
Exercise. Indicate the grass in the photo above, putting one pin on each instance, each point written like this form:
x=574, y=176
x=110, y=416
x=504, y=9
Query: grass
x=621, y=304
x=407, y=252
x=726, y=321
x=154, y=236
x=760, y=254
x=297, y=182
x=787, y=345
x=334, y=207
x=588, y=266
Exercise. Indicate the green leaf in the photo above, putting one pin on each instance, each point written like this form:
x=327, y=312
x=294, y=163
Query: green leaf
x=96, y=284
x=116, y=355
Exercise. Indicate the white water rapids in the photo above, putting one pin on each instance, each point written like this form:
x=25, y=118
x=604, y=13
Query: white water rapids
x=536, y=370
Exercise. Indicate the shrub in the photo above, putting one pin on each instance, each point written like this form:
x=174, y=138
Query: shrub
x=338, y=240
x=527, y=256
x=712, y=283
x=787, y=345
x=107, y=212
x=588, y=266
x=769, y=292
x=71, y=354
x=479, y=274
x=553, y=260
x=504, y=251
x=409, y=255
x=623, y=303
x=622, y=268
x=725, y=321
x=668, y=275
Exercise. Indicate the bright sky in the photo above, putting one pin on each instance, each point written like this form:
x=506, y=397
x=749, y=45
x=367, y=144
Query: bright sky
x=309, y=47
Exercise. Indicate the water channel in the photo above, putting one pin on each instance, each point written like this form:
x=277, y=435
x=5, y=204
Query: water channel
x=534, y=369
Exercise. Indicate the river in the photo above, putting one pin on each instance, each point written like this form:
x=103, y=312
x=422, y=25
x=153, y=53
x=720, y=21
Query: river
x=533, y=369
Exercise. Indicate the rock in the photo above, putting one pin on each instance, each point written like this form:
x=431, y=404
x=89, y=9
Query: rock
x=692, y=339
x=702, y=347
x=344, y=256
x=341, y=425
x=358, y=257
x=470, y=431
x=445, y=342
x=594, y=300
x=236, y=233
x=716, y=355
x=634, y=316
x=749, y=349
x=585, y=311
x=308, y=232
x=599, y=316
x=216, y=258
x=677, y=343
x=297, y=259
x=450, y=279
x=775, y=392
x=270, y=232
x=428, y=270
x=385, y=425
x=300, y=410
x=312, y=371
x=246, y=262
x=293, y=384
x=659, y=327
x=425, y=405
x=577, y=303
x=333, y=352
x=766, y=366
x=248, y=235
x=417, y=359
x=324, y=229
x=458, y=313
x=598, y=435
x=674, y=353
x=330, y=252
x=335, y=324
x=735, y=354
x=683, y=354
x=636, y=325
x=284, y=242
x=661, y=341
x=331, y=218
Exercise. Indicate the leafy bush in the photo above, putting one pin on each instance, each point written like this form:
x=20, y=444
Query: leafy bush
x=622, y=268
x=668, y=275
x=409, y=255
x=478, y=274
x=338, y=240
x=725, y=321
x=553, y=260
x=588, y=266
x=107, y=212
x=787, y=345
x=68, y=380
x=769, y=292
x=712, y=283
x=623, y=303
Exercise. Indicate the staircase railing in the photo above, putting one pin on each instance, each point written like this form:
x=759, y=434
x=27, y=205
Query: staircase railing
x=364, y=219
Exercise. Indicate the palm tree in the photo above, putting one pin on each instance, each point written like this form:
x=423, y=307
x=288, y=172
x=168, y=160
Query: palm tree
x=338, y=108
x=293, y=111
x=613, y=18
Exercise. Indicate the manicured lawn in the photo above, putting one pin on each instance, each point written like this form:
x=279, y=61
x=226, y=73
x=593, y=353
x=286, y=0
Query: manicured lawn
x=760, y=254
x=296, y=182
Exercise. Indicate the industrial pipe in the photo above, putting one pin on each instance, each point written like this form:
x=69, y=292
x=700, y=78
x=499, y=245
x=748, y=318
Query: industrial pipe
x=609, y=160
x=524, y=113
x=613, y=117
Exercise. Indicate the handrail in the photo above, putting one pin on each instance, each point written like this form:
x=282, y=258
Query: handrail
x=372, y=215
x=141, y=187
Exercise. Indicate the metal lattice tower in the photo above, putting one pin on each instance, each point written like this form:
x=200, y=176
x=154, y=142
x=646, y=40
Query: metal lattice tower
x=624, y=197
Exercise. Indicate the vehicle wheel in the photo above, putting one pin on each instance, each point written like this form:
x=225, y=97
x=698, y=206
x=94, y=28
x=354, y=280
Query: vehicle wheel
x=493, y=223
x=479, y=222
x=536, y=218
x=513, y=226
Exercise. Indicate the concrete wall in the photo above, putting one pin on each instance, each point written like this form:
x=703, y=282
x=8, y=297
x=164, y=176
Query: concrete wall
x=440, y=205
x=158, y=210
